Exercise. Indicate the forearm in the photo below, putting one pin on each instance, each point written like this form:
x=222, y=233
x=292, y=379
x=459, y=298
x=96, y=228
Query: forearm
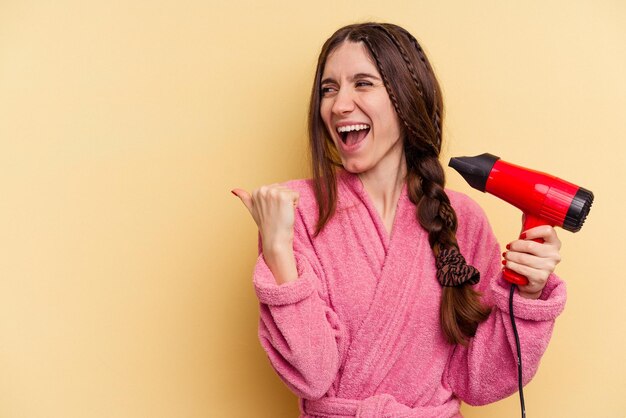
x=300, y=333
x=486, y=370
x=282, y=263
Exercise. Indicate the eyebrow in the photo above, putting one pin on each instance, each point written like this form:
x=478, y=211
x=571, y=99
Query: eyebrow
x=354, y=77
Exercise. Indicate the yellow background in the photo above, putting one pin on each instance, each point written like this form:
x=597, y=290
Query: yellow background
x=125, y=262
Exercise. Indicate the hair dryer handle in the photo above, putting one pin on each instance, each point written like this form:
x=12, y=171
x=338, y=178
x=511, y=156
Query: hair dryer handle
x=529, y=221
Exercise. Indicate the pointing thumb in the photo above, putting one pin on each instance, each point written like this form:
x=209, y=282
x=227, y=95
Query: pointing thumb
x=245, y=197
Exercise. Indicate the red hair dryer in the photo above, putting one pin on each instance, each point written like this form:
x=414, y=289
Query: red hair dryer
x=544, y=199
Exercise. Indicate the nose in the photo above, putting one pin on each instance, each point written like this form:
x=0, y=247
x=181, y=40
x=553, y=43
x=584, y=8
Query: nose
x=344, y=102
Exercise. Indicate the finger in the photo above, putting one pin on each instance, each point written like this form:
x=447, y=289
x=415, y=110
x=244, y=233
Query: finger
x=545, y=251
x=532, y=260
x=524, y=246
x=245, y=198
x=535, y=276
x=545, y=232
x=282, y=194
x=295, y=198
x=290, y=194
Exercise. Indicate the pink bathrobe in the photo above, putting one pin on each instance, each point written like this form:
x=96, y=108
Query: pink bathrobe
x=358, y=333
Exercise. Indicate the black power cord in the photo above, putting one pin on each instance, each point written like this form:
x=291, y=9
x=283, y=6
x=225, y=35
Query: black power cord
x=519, y=352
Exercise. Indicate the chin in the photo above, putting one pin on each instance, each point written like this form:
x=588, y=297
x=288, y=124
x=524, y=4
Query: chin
x=353, y=167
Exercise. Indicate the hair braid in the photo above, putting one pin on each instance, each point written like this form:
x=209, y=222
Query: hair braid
x=438, y=128
x=422, y=57
x=461, y=310
x=386, y=83
x=405, y=57
x=434, y=211
x=418, y=47
x=394, y=99
x=436, y=113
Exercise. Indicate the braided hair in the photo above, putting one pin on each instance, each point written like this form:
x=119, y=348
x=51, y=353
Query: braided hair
x=414, y=92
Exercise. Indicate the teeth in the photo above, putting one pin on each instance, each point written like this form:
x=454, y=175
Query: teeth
x=349, y=128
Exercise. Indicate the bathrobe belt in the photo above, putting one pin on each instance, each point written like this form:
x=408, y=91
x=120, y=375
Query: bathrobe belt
x=377, y=406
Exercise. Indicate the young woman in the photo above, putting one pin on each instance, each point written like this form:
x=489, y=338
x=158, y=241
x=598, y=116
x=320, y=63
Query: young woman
x=368, y=305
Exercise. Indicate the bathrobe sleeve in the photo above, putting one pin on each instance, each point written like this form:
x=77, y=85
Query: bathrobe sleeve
x=298, y=330
x=486, y=370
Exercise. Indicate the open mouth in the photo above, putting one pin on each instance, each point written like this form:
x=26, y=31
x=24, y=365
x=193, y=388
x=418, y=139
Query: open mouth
x=353, y=134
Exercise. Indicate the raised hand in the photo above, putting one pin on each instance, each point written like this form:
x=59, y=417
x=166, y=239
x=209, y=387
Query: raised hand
x=273, y=209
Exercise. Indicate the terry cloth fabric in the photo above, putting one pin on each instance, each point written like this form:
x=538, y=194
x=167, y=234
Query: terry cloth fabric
x=358, y=333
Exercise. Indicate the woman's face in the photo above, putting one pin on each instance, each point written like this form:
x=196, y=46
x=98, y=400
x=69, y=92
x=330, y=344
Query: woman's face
x=358, y=113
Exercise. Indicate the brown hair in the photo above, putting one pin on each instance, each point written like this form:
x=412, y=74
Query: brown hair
x=416, y=97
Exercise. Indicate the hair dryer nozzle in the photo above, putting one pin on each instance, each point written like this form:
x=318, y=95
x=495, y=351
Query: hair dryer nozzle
x=578, y=210
x=475, y=170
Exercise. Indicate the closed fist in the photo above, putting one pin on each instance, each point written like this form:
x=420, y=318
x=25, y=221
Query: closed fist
x=273, y=209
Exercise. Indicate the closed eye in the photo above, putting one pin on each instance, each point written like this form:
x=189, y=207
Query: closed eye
x=363, y=84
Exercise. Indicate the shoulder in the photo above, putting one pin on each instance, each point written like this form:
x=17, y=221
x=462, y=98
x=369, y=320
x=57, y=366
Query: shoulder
x=464, y=205
x=471, y=218
x=474, y=234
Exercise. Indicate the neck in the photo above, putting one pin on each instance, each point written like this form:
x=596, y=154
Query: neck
x=385, y=184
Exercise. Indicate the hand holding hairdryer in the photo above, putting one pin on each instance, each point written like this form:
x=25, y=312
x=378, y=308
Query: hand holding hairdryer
x=543, y=198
